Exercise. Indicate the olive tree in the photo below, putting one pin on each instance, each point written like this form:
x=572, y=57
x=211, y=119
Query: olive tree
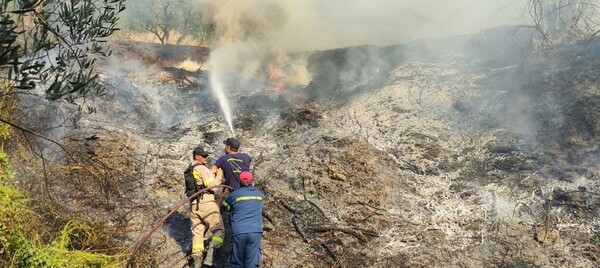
x=165, y=17
x=52, y=45
x=560, y=19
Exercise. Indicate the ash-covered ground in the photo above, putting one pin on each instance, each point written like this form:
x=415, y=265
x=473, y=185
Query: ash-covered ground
x=470, y=151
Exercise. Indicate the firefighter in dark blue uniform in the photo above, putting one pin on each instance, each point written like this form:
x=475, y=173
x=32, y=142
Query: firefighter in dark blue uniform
x=245, y=207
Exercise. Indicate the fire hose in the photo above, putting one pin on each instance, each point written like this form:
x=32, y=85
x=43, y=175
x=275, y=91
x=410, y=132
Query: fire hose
x=139, y=245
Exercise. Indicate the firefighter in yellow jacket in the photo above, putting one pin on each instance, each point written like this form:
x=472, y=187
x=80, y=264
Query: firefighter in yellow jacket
x=205, y=212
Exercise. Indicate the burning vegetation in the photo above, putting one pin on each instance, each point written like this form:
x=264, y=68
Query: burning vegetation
x=432, y=163
x=476, y=150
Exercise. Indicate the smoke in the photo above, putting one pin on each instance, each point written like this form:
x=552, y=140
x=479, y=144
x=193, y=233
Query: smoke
x=251, y=35
x=288, y=25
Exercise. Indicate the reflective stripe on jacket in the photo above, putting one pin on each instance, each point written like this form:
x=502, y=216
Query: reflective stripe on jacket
x=245, y=210
x=205, y=178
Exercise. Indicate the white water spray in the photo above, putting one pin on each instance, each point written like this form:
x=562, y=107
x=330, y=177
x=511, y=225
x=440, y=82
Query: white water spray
x=219, y=90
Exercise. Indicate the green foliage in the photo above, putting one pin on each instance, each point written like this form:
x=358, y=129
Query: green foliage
x=163, y=17
x=20, y=229
x=18, y=250
x=50, y=43
x=4, y=134
x=4, y=160
x=20, y=247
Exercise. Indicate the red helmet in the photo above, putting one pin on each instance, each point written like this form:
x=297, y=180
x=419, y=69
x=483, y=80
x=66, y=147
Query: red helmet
x=246, y=176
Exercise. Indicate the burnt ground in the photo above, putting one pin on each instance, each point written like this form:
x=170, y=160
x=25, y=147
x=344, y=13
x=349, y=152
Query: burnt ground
x=418, y=155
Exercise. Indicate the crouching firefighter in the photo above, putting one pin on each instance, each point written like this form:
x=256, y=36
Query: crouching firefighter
x=205, y=215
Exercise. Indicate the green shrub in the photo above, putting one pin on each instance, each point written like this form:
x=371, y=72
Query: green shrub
x=21, y=246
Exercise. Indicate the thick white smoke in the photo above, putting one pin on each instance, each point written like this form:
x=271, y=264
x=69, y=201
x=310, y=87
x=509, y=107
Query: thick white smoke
x=292, y=25
x=251, y=34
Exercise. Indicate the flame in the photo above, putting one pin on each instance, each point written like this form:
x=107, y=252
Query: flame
x=274, y=79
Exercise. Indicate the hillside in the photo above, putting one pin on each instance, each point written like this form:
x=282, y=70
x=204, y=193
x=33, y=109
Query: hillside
x=469, y=151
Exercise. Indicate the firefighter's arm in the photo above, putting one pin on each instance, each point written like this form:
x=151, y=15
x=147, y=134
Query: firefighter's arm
x=219, y=176
x=228, y=202
x=214, y=169
x=218, y=180
x=208, y=179
x=196, y=172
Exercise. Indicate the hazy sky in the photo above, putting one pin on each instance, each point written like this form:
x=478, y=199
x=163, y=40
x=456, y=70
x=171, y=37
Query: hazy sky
x=319, y=24
x=428, y=18
x=390, y=21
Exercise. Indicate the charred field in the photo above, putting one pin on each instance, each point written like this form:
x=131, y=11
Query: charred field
x=469, y=151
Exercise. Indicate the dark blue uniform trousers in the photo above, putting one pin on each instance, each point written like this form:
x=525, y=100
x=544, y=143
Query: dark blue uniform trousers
x=246, y=250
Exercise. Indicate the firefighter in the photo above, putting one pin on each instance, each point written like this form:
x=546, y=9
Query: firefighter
x=245, y=207
x=205, y=211
x=232, y=163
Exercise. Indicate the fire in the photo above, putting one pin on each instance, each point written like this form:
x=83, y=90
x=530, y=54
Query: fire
x=274, y=79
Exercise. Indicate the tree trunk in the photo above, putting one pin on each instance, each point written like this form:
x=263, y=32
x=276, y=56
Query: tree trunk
x=181, y=37
x=166, y=37
x=160, y=37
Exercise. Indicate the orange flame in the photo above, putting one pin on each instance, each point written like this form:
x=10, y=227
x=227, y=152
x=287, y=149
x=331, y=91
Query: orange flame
x=274, y=82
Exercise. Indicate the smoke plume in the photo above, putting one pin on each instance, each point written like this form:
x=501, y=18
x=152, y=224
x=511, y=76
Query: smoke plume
x=253, y=35
x=288, y=25
x=251, y=32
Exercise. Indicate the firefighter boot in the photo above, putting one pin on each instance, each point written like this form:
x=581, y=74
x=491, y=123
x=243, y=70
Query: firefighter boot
x=208, y=260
